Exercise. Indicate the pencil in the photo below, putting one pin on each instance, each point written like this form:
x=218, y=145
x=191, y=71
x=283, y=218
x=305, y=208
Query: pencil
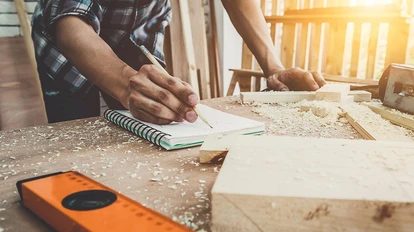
x=156, y=63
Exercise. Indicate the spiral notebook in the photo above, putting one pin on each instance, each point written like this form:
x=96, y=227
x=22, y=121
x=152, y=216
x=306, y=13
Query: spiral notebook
x=184, y=134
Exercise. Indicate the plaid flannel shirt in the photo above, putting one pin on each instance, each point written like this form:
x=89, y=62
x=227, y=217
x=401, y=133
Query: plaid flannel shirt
x=143, y=21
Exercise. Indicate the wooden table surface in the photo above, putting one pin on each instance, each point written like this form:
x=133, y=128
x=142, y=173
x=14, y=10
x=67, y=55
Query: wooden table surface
x=119, y=160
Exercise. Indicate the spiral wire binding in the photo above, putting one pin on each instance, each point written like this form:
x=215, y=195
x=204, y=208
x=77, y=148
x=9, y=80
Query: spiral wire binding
x=142, y=130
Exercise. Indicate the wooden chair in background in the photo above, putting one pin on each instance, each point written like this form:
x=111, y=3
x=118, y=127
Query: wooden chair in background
x=316, y=38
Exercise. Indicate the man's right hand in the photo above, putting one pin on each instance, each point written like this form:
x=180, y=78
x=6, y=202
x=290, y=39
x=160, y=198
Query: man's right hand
x=159, y=98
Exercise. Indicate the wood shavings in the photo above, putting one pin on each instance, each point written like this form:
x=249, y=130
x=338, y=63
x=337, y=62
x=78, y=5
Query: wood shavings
x=2, y=209
x=201, y=181
x=173, y=187
x=155, y=179
x=287, y=117
x=133, y=175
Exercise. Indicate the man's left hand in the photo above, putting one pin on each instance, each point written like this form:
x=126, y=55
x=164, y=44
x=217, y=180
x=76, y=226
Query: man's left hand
x=295, y=79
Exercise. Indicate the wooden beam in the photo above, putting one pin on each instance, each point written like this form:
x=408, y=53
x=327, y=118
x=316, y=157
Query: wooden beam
x=333, y=92
x=371, y=126
x=27, y=31
x=276, y=97
x=280, y=183
x=356, y=44
x=217, y=90
x=394, y=116
x=188, y=44
x=372, y=50
x=362, y=18
x=198, y=30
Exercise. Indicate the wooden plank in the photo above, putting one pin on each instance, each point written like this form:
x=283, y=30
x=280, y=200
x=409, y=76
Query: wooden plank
x=273, y=25
x=372, y=51
x=297, y=96
x=394, y=116
x=198, y=30
x=217, y=90
x=188, y=45
x=288, y=38
x=27, y=31
x=358, y=18
x=352, y=80
x=335, y=48
x=315, y=40
x=360, y=95
x=179, y=68
x=371, y=126
x=376, y=191
x=397, y=44
x=276, y=97
x=333, y=92
x=303, y=39
x=356, y=44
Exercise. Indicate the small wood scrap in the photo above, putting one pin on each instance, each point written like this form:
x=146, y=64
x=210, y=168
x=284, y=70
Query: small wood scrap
x=360, y=95
x=276, y=97
x=393, y=115
x=215, y=147
x=333, y=92
x=371, y=126
x=280, y=183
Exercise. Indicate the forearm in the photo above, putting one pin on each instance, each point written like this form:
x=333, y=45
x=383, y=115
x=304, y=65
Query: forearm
x=248, y=20
x=79, y=43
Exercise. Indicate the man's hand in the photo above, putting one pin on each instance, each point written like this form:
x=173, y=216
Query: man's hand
x=159, y=98
x=295, y=79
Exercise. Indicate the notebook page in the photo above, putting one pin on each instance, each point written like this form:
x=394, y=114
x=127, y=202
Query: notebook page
x=222, y=123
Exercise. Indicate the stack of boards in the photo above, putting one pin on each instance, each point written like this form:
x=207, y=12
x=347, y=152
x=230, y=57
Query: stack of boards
x=280, y=183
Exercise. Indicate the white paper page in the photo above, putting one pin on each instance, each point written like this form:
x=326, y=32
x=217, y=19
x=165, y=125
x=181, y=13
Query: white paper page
x=220, y=121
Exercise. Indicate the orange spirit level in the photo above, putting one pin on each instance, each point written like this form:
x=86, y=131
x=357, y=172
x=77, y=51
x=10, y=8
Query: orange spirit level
x=70, y=201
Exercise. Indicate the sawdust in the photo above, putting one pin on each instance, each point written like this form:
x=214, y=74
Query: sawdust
x=376, y=126
x=286, y=118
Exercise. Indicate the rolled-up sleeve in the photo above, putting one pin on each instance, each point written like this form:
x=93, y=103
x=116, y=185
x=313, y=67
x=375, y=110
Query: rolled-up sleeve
x=88, y=10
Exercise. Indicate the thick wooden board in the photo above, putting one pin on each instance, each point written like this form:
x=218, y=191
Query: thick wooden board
x=394, y=116
x=333, y=92
x=272, y=183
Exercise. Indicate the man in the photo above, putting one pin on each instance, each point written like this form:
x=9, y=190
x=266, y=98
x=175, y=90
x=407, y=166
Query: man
x=86, y=46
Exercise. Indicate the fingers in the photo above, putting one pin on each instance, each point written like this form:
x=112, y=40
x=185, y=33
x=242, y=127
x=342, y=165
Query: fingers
x=153, y=98
x=319, y=79
x=309, y=81
x=183, y=92
x=275, y=84
x=147, y=117
x=139, y=103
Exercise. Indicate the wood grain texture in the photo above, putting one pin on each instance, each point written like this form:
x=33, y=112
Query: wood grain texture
x=333, y=92
x=371, y=126
x=394, y=116
x=21, y=104
x=272, y=183
x=120, y=160
x=360, y=95
x=276, y=97
x=198, y=32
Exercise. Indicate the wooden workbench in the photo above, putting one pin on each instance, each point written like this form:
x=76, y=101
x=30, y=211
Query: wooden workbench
x=119, y=160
